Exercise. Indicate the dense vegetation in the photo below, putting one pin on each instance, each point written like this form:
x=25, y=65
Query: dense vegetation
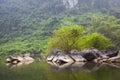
x=25, y=25
x=75, y=37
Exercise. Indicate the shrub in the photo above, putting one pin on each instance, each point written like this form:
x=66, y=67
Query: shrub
x=75, y=37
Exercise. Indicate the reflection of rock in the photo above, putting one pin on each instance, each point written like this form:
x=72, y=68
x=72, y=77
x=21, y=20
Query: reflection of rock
x=87, y=67
x=18, y=61
x=57, y=66
x=83, y=66
x=77, y=65
x=91, y=66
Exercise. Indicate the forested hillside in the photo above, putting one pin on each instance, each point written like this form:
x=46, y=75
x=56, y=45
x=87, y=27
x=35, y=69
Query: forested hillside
x=25, y=25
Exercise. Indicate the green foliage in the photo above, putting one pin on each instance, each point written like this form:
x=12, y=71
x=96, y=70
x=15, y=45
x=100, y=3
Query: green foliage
x=95, y=40
x=65, y=37
x=17, y=47
x=107, y=25
x=23, y=44
x=75, y=37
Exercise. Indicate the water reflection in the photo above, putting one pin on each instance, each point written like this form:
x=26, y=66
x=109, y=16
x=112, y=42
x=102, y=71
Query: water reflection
x=84, y=66
x=12, y=65
x=40, y=70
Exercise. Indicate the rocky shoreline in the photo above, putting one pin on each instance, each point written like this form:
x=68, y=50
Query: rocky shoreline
x=108, y=55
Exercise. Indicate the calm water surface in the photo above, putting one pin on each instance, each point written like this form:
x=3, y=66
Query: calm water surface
x=39, y=70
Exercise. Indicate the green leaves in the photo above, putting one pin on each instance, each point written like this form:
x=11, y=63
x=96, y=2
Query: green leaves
x=95, y=40
x=75, y=37
x=65, y=37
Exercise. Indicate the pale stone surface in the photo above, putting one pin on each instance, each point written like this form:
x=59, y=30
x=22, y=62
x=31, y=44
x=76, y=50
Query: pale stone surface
x=78, y=58
x=70, y=3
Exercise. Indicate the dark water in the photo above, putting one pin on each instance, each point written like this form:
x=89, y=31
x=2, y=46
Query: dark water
x=39, y=70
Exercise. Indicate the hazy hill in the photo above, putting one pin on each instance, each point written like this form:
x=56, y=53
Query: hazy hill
x=27, y=23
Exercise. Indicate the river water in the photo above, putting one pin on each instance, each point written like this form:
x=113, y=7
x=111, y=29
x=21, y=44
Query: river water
x=40, y=70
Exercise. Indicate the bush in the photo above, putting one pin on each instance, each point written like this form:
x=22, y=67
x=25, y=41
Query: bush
x=75, y=37
x=95, y=40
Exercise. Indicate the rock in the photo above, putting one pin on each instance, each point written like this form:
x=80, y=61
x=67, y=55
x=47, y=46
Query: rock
x=8, y=60
x=64, y=58
x=15, y=61
x=27, y=59
x=12, y=59
x=110, y=51
x=90, y=54
x=56, y=56
x=114, y=59
x=52, y=54
x=50, y=57
x=59, y=56
x=18, y=59
x=77, y=57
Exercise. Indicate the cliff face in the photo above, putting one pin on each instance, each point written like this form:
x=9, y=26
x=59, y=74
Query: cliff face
x=70, y=3
x=97, y=4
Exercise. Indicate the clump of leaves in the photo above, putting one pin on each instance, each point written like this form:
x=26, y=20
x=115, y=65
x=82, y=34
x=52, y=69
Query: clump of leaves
x=75, y=37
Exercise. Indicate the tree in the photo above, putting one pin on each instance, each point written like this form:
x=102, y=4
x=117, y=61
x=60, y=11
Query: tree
x=65, y=37
x=75, y=37
x=95, y=40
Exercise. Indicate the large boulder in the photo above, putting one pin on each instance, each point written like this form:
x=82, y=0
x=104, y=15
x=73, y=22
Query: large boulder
x=90, y=54
x=76, y=56
x=52, y=54
x=62, y=57
x=59, y=56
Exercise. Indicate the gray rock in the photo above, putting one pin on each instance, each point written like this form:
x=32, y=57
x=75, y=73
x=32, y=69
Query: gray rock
x=53, y=54
x=59, y=56
x=110, y=52
x=90, y=54
x=65, y=58
x=78, y=58
x=56, y=56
